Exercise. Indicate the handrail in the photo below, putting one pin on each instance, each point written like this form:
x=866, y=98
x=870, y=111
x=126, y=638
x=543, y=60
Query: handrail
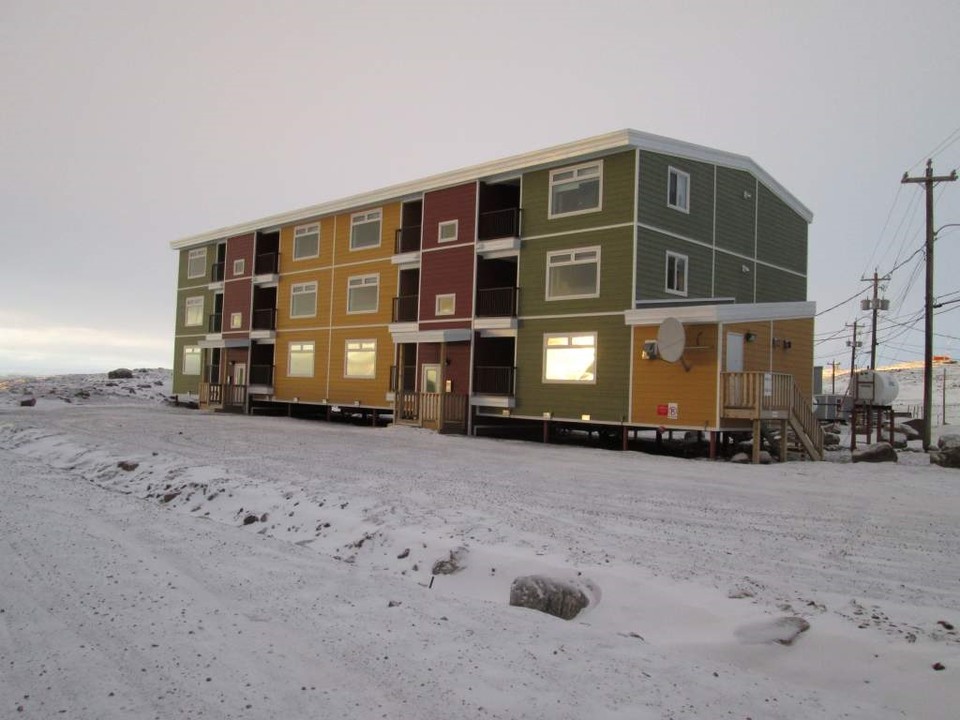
x=495, y=224
x=497, y=302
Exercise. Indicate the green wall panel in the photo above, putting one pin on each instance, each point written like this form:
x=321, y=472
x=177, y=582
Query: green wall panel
x=654, y=211
x=781, y=233
x=606, y=400
x=778, y=286
x=732, y=280
x=652, y=250
x=183, y=384
x=616, y=200
x=736, y=210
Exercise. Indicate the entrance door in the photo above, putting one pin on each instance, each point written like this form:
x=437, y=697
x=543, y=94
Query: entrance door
x=430, y=395
x=238, y=388
x=430, y=380
x=734, y=352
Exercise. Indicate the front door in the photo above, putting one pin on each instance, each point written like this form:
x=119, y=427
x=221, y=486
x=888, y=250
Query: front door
x=238, y=384
x=734, y=352
x=430, y=395
x=430, y=381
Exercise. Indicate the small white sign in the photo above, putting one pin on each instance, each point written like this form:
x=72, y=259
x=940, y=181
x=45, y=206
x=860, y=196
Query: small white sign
x=673, y=411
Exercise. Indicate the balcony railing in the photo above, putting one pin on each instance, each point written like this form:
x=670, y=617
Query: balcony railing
x=408, y=239
x=494, y=380
x=215, y=323
x=216, y=272
x=261, y=374
x=497, y=302
x=265, y=319
x=405, y=308
x=499, y=224
x=211, y=374
x=265, y=264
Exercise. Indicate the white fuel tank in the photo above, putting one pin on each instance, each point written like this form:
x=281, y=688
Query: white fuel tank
x=876, y=388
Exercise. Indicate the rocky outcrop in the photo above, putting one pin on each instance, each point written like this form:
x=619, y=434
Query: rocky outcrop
x=561, y=598
x=878, y=452
x=948, y=452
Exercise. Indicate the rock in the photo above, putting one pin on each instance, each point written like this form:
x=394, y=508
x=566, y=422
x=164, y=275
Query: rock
x=939, y=666
x=128, y=465
x=28, y=402
x=783, y=630
x=948, y=457
x=404, y=554
x=916, y=424
x=832, y=428
x=740, y=457
x=250, y=519
x=765, y=458
x=120, y=374
x=170, y=496
x=744, y=458
x=454, y=563
x=560, y=598
x=393, y=603
x=831, y=440
x=909, y=431
x=948, y=442
x=899, y=441
x=878, y=452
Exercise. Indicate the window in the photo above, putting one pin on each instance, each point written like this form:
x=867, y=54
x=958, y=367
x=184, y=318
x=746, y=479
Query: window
x=570, y=358
x=238, y=266
x=197, y=263
x=363, y=292
x=303, y=300
x=446, y=304
x=306, y=241
x=678, y=190
x=573, y=273
x=365, y=230
x=576, y=189
x=191, y=360
x=676, y=274
x=193, y=311
x=447, y=231
x=300, y=362
x=361, y=359
x=236, y=321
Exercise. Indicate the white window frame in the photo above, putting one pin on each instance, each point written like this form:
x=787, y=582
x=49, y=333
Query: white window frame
x=671, y=278
x=197, y=254
x=236, y=320
x=677, y=173
x=305, y=288
x=302, y=231
x=576, y=172
x=571, y=339
x=365, y=345
x=452, y=297
x=239, y=266
x=192, y=303
x=363, y=218
x=572, y=252
x=192, y=351
x=362, y=281
x=455, y=224
x=302, y=347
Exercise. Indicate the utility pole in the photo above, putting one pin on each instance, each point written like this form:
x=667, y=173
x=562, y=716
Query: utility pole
x=853, y=345
x=833, y=377
x=875, y=304
x=928, y=181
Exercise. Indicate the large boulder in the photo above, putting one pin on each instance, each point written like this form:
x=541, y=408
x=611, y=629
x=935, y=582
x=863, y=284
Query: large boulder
x=831, y=440
x=120, y=374
x=909, y=430
x=948, y=452
x=561, y=598
x=878, y=452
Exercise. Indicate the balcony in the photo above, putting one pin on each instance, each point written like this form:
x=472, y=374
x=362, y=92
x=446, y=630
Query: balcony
x=215, y=323
x=216, y=272
x=264, y=319
x=498, y=224
x=261, y=375
x=405, y=308
x=494, y=380
x=497, y=302
x=408, y=240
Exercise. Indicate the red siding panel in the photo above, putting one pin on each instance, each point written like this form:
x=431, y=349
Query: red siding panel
x=238, y=290
x=457, y=203
x=444, y=272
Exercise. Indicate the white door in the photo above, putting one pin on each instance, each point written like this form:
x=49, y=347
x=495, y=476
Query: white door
x=430, y=381
x=240, y=374
x=734, y=352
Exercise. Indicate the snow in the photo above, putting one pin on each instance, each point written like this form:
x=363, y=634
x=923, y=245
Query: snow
x=143, y=593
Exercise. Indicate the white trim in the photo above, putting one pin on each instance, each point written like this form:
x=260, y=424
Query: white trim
x=302, y=345
x=305, y=288
x=597, y=228
x=575, y=170
x=570, y=336
x=196, y=254
x=366, y=217
x=362, y=281
x=572, y=315
x=305, y=231
x=433, y=336
x=668, y=277
x=597, y=145
x=671, y=172
x=453, y=308
x=728, y=313
x=572, y=252
x=361, y=348
x=448, y=223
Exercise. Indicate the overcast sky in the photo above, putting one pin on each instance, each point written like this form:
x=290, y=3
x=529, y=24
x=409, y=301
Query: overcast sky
x=127, y=124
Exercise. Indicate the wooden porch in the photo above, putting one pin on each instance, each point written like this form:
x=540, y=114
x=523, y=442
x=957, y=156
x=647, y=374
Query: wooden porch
x=225, y=398
x=765, y=397
x=445, y=412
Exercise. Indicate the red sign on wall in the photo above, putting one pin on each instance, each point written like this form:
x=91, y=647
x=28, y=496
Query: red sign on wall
x=662, y=410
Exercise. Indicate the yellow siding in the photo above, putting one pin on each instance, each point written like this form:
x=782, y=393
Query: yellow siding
x=761, y=355
x=307, y=389
x=657, y=382
x=756, y=353
x=390, y=222
x=388, y=290
x=322, y=318
x=325, y=259
x=369, y=392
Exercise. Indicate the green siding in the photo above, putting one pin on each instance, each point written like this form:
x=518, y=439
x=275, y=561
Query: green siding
x=606, y=400
x=182, y=295
x=183, y=384
x=652, y=250
x=616, y=200
x=777, y=286
x=190, y=287
x=616, y=276
x=736, y=210
x=698, y=223
x=781, y=233
x=183, y=280
x=731, y=280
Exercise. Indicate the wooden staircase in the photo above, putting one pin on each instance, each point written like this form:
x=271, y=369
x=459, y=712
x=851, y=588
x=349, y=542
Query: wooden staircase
x=762, y=397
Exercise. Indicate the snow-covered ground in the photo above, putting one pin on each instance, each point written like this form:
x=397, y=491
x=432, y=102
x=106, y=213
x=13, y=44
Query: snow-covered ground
x=249, y=567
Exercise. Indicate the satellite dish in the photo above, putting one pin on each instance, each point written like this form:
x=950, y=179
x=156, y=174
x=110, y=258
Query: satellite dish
x=671, y=339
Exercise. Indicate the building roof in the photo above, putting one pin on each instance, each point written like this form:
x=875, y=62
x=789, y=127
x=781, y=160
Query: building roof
x=580, y=149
